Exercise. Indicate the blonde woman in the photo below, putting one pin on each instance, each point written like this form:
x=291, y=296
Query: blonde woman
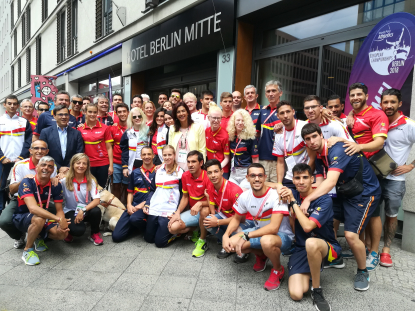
x=217, y=139
x=149, y=109
x=133, y=140
x=162, y=204
x=243, y=145
x=82, y=199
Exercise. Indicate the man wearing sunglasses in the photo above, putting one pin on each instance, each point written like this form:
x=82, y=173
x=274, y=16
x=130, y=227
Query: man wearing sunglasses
x=41, y=108
x=272, y=232
x=76, y=110
x=22, y=169
x=175, y=97
x=64, y=141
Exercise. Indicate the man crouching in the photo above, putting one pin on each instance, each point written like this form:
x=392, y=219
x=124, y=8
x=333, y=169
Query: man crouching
x=315, y=243
x=32, y=215
x=272, y=232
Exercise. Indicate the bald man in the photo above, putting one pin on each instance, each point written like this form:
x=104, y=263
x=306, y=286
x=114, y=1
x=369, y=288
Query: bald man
x=236, y=100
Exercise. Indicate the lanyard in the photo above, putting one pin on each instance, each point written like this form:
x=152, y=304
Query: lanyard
x=261, y=207
x=76, y=196
x=236, y=148
x=272, y=112
x=223, y=193
x=145, y=176
x=184, y=138
x=122, y=132
x=40, y=200
x=292, y=148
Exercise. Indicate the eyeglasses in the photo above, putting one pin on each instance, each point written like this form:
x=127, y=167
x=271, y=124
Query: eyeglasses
x=43, y=110
x=175, y=96
x=137, y=117
x=254, y=176
x=311, y=107
x=215, y=118
x=77, y=102
x=62, y=115
x=39, y=148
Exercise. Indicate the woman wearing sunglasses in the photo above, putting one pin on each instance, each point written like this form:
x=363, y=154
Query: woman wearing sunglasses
x=243, y=145
x=158, y=135
x=98, y=145
x=133, y=140
x=186, y=135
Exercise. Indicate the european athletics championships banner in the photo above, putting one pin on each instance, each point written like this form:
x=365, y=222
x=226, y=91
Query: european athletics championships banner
x=386, y=57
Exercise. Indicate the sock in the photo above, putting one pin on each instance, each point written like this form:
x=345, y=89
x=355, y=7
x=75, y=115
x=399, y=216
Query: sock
x=312, y=288
x=204, y=240
x=361, y=270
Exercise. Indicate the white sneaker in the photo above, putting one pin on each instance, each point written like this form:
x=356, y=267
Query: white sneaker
x=19, y=243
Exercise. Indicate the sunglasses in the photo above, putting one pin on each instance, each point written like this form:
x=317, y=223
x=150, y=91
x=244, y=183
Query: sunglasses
x=43, y=110
x=77, y=102
x=175, y=96
x=137, y=117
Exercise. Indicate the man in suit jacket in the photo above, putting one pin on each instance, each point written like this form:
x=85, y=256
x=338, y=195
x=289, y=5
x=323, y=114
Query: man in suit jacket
x=63, y=141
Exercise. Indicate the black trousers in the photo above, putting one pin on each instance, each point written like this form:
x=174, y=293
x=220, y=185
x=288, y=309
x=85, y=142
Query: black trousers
x=156, y=231
x=101, y=174
x=93, y=216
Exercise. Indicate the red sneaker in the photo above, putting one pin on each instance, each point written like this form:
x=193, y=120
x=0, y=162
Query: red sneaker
x=96, y=239
x=386, y=260
x=260, y=263
x=274, y=279
x=69, y=238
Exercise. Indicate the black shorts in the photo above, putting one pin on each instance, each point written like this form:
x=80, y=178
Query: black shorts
x=338, y=210
x=23, y=221
x=298, y=263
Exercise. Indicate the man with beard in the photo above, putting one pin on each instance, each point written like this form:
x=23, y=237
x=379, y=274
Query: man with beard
x=370, y=131
x=401, y=137
x=344, y=170
x=77, y=104
x=175, y=97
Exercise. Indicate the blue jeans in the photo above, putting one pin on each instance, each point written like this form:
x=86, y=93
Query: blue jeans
x=117, y=176
x=222, y=229
x=190, y=220
x=285, y=239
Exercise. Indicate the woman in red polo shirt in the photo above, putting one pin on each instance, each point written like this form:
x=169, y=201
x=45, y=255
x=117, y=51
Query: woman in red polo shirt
x=149, y=109
x=97, y=139
x=158, y=135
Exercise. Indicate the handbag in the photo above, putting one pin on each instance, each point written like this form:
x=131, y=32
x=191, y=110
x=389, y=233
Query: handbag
x=382, y=164
x=353, y=187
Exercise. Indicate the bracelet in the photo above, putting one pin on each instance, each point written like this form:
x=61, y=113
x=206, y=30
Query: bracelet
x=218, y=226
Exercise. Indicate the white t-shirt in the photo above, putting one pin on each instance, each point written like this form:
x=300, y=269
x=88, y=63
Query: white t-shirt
x=335, y=128
x=249, y=203
x=299, y=152
x=80, y=189
x=199, y=117
x=398, y=145
x=23, y=168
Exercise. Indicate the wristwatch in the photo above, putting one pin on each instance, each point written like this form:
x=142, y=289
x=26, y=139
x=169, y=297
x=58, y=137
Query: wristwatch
x=292, y=203
x=246, y=236
x=84, y=210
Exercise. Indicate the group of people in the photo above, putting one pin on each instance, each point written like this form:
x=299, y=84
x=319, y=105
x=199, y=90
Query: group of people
x=257, y=179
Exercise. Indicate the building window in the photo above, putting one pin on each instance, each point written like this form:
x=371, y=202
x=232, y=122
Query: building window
x=23, y=30
x=28, y=64
x=38, y=55
x=12, y=79
x=15, y=42
x=28, y=11
x=44, y=10
x=19, y=7
x=72, y=26
x=19, y=74
x=12, y=15
x=61, y=36
x=103, y=18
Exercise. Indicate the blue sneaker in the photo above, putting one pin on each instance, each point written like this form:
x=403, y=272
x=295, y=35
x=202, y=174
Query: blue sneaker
x=361, y=280
x=30, y=257
x=289, y=252
x=40, y=245
x=372, y=261
x=347, y=254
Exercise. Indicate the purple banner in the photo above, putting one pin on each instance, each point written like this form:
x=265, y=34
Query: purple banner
x=386, y=58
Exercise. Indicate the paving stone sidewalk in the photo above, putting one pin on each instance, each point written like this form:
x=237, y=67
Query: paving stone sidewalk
x=134, y=275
